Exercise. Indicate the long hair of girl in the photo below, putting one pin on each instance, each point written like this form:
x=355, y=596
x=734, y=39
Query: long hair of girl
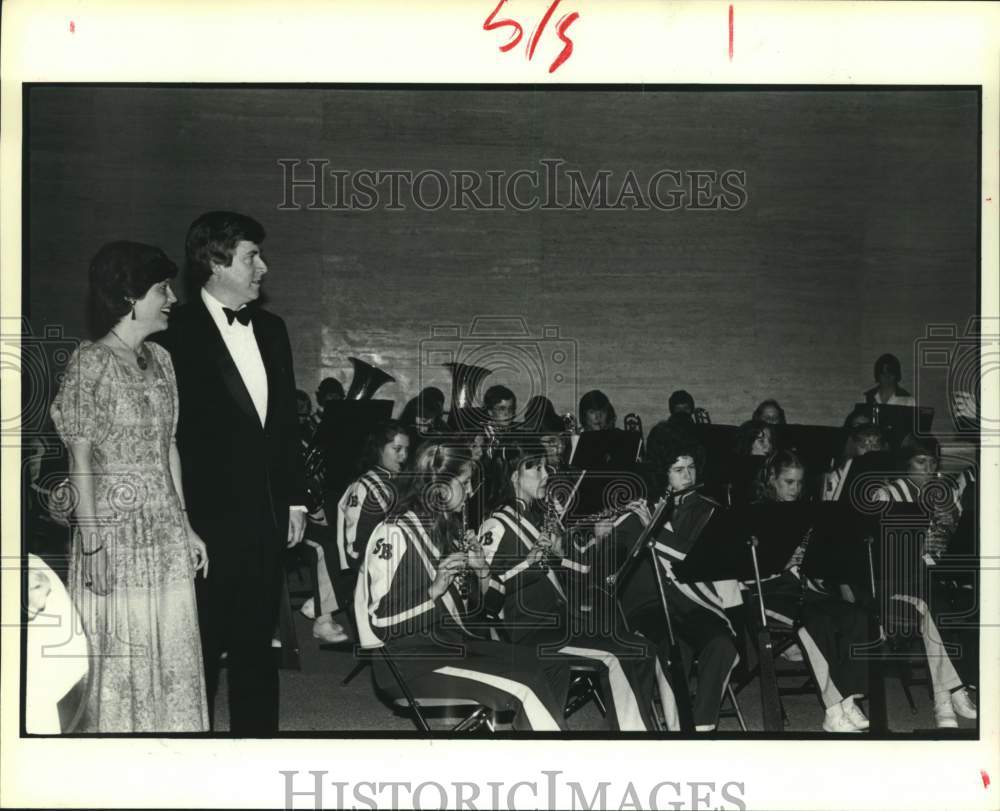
x=425, y=489
x=519, y=452
x=776, y=464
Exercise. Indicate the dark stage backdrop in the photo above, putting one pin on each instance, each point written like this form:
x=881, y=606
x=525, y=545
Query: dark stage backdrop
x=859, y=230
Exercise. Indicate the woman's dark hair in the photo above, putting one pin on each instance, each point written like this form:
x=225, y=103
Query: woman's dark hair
x=596, y=400
x=426, y=487
x=775, y=465
x=858, y=416
x=519, y=451
x=913, y=445
x=747, y=434
x=667, y=442
x=892, y=362
x=540, y=416
x=424, y=405
x=769, y=403
x=120, y=273
x=383, y=435
x=213, y=237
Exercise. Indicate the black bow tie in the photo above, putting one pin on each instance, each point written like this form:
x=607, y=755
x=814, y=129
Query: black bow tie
x=242, y=315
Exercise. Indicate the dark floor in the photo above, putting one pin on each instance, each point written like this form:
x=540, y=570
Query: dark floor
x=314, y=700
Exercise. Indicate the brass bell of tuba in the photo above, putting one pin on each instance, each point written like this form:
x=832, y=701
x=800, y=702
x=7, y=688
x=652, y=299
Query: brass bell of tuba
x=466, y=378
x=367, y=380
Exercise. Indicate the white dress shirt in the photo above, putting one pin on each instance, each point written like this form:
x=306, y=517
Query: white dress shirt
x=243, y=349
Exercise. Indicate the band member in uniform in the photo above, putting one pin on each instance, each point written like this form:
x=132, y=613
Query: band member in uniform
x=888, y=374
x=528, y=589
x=919, y=457
x=596, y=412
x=367, y=501
x=827, y=625
x=697, y=610
x=410, y=597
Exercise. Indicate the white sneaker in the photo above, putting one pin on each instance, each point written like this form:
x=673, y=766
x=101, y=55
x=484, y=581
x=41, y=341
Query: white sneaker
x=328, y=631
x=944, y=713
x=853, y=713
x=308, y=609
x=962, y=704
x=837, y=721
x=792, y=654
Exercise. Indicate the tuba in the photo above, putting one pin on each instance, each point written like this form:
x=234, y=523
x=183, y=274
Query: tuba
x=367, y=380
x=466, y=379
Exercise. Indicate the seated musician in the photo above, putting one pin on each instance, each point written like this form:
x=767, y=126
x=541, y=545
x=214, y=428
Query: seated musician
x=771, y=412
x=596, y=412
x=423, y=415
x=681, y=402
x=755, y=441
x=697, y=610
x=919, y=457
x=532, y=591
x=369, y=498
x=827, y=625
x=888, y=374
x=410, y=597
x=541, y=420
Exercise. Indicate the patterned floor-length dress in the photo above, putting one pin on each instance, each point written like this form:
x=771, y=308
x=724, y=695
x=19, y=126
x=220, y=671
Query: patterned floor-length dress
x=146, y=662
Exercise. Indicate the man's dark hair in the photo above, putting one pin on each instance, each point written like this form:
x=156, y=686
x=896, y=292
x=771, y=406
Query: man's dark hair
x=496, y=394
x=213, y=237
x=679, y=398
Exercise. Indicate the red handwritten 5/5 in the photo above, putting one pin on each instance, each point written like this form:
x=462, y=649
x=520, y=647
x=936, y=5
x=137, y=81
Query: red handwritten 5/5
x=517, y=32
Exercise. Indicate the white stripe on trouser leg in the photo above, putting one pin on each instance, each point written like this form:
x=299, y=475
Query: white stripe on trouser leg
x=327, y=596
x=725, y=684
x=942, y=671
x=667, y=700
x=821, y=669
x=536, y=713
x=626, y=704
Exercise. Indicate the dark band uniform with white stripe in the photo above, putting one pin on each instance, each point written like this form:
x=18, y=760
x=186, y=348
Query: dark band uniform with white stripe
x=364, y=506
x=697, y=610
x=537, y=608
x=430, y=639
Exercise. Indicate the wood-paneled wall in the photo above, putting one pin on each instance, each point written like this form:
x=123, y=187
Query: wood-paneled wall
x=859, y=230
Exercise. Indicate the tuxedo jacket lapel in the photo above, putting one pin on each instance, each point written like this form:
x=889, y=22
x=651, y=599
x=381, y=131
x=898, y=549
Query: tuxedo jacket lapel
x=272, y=363
x=230, y=375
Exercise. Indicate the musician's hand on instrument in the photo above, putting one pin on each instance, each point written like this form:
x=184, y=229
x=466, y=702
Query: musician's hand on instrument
x=603, y=528
x=477, y=559
x=641, y=508
x=448, y=569
x=537, y=554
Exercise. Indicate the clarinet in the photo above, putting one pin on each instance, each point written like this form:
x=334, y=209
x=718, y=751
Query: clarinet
x=462, y=545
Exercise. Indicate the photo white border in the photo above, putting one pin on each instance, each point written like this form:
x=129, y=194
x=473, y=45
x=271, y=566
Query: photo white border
x=614, y=42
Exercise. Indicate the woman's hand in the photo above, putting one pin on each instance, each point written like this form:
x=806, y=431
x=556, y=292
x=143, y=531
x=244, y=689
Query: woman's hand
x=537, y=554
x=94, y=572
x=477, y=559
x=199, y=553
x=449, y=568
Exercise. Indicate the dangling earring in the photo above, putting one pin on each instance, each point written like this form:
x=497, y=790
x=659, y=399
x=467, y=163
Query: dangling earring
x=132, y=302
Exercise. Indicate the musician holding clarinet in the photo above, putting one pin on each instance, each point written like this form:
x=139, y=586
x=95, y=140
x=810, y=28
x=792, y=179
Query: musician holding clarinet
x=698, y=616
x=409, y=598
x=522, y=541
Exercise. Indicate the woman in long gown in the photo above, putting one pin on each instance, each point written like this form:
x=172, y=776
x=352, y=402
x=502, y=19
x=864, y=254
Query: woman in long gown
x=134, y=555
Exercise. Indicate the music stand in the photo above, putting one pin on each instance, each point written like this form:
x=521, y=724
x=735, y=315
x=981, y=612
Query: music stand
x=342, y=435
x=612, y=449
x=772, y=531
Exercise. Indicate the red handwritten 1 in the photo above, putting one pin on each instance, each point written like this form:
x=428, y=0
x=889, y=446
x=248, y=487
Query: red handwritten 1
x=986, y=778
x=517, y=32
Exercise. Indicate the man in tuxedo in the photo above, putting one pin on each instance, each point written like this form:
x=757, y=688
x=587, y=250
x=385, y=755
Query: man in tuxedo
x=237, y=435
